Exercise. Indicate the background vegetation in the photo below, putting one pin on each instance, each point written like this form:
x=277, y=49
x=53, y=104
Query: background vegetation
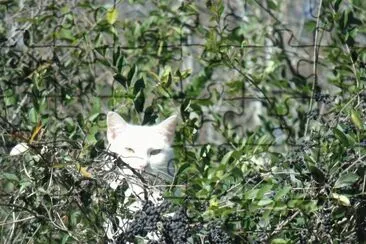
x=270, y=146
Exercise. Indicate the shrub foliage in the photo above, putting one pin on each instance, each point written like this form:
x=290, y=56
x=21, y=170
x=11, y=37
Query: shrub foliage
x=270, y=147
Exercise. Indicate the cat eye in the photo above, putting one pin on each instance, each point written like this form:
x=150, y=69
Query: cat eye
x=130, y=150
x=155, y=151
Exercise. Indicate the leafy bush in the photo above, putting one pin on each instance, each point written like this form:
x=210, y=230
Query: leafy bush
x=271, y=142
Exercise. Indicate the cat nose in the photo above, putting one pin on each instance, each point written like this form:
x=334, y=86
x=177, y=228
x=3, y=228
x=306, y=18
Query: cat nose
x=142, y=166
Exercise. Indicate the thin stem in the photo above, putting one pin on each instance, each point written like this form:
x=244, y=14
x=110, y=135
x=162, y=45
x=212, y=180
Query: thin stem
x=315, y=67
x=16, y=221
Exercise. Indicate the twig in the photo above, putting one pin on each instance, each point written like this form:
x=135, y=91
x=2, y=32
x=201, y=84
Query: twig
x=16, y=221
x=12, y=229
x=283, y=224
x=353, y=164
x=19, y=108
x=315, y=67
x=119, y=163
x=354, y=70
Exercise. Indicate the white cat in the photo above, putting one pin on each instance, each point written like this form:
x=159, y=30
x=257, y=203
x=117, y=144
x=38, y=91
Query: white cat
x=146, y=149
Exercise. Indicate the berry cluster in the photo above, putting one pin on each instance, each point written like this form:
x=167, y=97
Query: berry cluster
x=324, y=98
x=176, y=228
x=144, y=222
x=164, y=223
x=327, y=218
x=303, y=237
x=216, y=234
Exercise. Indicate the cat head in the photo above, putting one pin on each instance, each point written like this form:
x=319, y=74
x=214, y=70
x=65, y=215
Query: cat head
x=144, y=148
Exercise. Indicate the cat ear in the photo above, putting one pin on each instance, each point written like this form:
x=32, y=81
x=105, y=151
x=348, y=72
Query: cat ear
x=167, y=127
x=115, y=124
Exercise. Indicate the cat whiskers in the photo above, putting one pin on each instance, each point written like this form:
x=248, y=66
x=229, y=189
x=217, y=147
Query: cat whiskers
x=152, y=178
x=161, y=171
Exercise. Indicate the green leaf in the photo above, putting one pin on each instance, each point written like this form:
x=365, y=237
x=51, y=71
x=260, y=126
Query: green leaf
x=265, y=202
x=139, y=86
x=317, y=174
x=167, y=80
x=101, y=50
x=251, y=194
x=131, y=74
x=33, y=116
x=356, y=119
x=341, y=137
x=121, y=79
x=118, y=60
x=149, y=116
x=65, y=34
x=93, y=117
x=225, y=159
x=120, y=63
x=346, y=180
x=9, y=97
x=211, y=41
x=272, y=4
x=263, y=190
x=236, y=172
x=65, y=238
x=344, y=21
x=342, y=199
x=74, y=218
x=139, y=101
x=183, y=167
x=160, y=49
x=220, y=8
x=336, y=4
x=282, y=192
x=9, y=176
x=24, y=185
x=184, y=74
x=112, y=15
x=8, y=187
x=310, y=25
x=279, y=241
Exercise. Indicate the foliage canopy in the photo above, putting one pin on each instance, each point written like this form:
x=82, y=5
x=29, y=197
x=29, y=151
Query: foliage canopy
x=271, y=142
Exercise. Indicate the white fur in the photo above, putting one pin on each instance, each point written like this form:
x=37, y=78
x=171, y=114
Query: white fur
x=144, y=148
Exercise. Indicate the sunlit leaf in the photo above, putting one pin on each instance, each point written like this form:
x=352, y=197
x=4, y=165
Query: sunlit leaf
x=36, y=131
x=226, y=158
x=279, y=241
x=265, y=202
x=342, y=199
x=83, y=171
x=356, y=119
x=112, y=15
x=346, y=180
x=19, y=149
x=282, y=192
